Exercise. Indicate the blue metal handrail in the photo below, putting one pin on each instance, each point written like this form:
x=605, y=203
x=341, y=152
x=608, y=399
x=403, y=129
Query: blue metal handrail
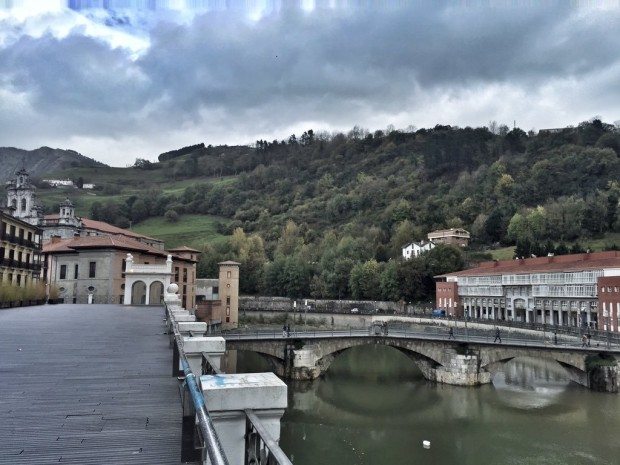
x=207, y=430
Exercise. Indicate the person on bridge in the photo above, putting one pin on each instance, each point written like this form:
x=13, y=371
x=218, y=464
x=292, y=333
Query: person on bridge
x=589, y=336
x=584, y=341
x=284, y=332
x=451, y=333
x=498, y=337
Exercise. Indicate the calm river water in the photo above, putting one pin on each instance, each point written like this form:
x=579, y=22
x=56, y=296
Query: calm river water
x=374, y=407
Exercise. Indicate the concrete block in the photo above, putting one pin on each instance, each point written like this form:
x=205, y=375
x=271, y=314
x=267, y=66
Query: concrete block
x=227, y=396
x=182, y=318
x=211, y=345
x=186, y=327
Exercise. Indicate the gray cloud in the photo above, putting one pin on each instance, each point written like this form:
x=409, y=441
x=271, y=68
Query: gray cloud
x=225, y=79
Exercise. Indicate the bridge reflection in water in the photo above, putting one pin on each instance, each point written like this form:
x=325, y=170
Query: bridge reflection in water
x=373, y=406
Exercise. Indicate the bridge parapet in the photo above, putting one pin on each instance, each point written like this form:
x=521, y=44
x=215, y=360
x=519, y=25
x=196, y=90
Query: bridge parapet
x=242, y=423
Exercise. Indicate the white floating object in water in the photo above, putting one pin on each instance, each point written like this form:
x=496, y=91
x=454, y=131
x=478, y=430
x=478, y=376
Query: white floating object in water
x=426, y=444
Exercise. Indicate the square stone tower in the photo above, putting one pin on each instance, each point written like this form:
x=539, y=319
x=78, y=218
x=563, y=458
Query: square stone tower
x=229, y=293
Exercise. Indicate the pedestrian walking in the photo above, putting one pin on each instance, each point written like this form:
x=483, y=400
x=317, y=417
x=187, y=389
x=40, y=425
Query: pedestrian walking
x=555, y=338
x=584, y=341
x=589, y=336
x=498, y=337
x=284, y=330
x=288, y=330
x=451, y=333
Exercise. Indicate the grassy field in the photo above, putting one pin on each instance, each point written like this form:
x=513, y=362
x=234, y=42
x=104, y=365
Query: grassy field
x=505, y=253
x=191, y=230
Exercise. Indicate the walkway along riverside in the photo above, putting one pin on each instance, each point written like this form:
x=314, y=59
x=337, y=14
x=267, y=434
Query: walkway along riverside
x=467, y=359
x=237, y=416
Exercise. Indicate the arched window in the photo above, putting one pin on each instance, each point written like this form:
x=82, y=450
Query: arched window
x=23, y=208
x=14, y=203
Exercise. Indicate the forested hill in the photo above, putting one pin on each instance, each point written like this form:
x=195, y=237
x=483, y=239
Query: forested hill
x=41, y=161
x=391, y=188
x=327, y=215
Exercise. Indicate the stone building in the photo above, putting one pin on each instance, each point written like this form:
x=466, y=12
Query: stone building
x=21, y=198
x=20, y=250
x=94, y=269
x=570, y=290
x=217, y=300
x=453, y=236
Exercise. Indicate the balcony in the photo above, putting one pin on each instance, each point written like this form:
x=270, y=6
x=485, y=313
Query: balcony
x=12, y=263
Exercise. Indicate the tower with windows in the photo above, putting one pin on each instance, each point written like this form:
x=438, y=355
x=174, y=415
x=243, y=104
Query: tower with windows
x=21, y=198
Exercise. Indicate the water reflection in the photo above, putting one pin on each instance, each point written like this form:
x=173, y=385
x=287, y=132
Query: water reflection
x=373, y=407
x=531, y=383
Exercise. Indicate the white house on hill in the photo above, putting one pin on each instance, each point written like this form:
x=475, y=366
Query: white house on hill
x=415, y=249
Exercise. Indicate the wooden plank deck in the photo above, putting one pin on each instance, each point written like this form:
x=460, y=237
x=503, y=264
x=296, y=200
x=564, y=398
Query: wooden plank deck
x=87, y=384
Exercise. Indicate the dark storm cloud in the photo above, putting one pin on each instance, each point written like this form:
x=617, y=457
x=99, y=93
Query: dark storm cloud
x=331, y=66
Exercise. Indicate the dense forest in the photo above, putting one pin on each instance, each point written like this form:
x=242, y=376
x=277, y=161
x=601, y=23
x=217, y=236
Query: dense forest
x=326, y=215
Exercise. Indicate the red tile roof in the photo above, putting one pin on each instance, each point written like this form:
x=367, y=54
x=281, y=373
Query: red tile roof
x=105, y=227
x=560, y=263
x=100, y=242
x=184, y=248
x=117, y=241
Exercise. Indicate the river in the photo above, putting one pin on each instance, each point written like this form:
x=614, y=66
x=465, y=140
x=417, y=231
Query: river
x=374, y=407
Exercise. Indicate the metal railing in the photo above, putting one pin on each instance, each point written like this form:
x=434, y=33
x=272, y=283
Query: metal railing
x=461, y=334
x=260, y=448
x=208, y=435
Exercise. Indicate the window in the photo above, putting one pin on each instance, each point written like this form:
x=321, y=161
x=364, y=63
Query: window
x=19, y=279
x=63, y=271
x=228, y=274
x=227, y=311
x=228, y=300
x=92, y=269
x=19, y=256
x=176, y=274
x=124, y=266
x=29, y=236
x=184, y=275
x=75, y=271
x=91, y=288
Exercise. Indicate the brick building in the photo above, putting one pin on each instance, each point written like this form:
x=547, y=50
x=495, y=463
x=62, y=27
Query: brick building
x=569, y=290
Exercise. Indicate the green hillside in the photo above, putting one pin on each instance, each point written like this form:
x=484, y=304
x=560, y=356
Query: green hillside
x=326, y=215
x=191, y=230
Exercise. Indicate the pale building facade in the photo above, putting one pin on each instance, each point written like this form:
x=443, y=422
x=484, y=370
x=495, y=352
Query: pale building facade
x=20, y=251
x=415, y=249
x=93, y=270
x=21, y=198
x=563, y=290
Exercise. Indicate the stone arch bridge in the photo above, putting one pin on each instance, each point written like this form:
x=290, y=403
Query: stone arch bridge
x=457, y=362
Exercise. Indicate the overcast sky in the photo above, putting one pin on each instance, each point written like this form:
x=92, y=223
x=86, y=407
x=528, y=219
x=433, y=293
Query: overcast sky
x=118, y=83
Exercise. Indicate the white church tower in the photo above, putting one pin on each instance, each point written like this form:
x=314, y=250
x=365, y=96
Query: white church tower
x=21, y=198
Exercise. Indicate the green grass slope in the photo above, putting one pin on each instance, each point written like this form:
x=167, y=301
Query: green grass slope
x=191, y=230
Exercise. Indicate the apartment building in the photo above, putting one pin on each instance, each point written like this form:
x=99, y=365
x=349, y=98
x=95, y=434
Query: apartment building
x=20, y=249
x=570, y=290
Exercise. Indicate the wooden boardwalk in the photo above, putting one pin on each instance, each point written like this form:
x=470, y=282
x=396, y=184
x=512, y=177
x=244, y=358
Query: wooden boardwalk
x=87, y=385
